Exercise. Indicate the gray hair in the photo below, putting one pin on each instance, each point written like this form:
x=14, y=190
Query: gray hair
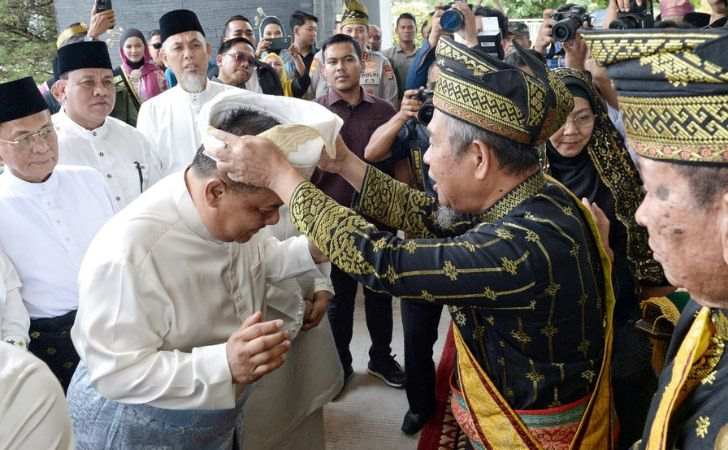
x=513, y=157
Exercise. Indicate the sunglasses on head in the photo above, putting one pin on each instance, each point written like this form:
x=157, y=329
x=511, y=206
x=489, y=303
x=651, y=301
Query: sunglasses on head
x=157, y=45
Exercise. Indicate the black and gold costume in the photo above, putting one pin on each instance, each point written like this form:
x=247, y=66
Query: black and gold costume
x=603, y=172
x=673, y=91
x=524, y=286
x=701, y=418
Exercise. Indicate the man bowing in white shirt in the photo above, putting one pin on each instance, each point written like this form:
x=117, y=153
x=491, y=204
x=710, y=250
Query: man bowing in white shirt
x=169, y=120
x=87, y=136
x=49, y=216
x=165, y=286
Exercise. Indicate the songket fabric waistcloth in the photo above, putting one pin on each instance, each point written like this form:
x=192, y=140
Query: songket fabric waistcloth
x=554, y=428
x=100, y=423
x=50, y=340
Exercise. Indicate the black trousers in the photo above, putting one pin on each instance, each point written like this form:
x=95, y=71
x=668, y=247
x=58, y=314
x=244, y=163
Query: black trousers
x=50, y=340
x=378, y=310
x=420, y=321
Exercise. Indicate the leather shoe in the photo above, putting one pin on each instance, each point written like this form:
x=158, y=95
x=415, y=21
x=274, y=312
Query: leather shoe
x=413, y=422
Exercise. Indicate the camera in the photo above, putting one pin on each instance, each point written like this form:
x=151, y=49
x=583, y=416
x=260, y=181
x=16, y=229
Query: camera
x=102, y=5
x=569, y=19
x=278, y=44
x=424, y=115
x=636, y=18
x=452, y=20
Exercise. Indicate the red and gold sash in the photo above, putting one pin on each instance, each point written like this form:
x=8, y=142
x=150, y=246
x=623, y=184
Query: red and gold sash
x=493, y=424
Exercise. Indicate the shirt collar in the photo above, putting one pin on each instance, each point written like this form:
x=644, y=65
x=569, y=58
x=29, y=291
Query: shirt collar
x=196, y=98
x=334, y=97
x=63, y=122
x=187, y=210
x=13, y=184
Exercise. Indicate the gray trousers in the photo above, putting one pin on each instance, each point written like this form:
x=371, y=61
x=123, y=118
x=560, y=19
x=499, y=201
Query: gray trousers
x=99, y=423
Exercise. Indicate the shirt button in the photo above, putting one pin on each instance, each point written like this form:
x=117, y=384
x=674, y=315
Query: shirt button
x=101, y=153
x=108, y=175
x=93, y=133
x=118, y=199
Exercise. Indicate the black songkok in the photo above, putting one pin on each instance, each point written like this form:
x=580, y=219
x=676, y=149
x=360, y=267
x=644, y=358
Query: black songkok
x=178, y=21
x=83, y=55
x=497, y=97
x=673, y=90
x=20, y=98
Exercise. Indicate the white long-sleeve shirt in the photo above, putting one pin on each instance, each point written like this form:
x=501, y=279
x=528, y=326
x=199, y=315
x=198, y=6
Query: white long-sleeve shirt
x=169, y=122
x=118, y=151
x=160, y=297
x=14, y=319
x=33, y=409
x=45, y=229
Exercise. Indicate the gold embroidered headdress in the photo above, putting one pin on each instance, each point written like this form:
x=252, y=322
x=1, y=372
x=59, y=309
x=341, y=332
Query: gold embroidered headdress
x=498, y=97
x=355, y=13
x=673, y=90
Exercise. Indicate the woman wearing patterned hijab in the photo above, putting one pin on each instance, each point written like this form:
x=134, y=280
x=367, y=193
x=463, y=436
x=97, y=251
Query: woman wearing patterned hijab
x=588, y=155
x=145, y=77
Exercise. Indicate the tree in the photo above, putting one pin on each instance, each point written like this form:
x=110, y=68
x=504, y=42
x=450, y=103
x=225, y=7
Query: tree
x=27, y=36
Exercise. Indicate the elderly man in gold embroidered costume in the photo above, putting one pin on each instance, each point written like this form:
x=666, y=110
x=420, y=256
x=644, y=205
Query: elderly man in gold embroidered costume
x=527, y=280
x=676, y=118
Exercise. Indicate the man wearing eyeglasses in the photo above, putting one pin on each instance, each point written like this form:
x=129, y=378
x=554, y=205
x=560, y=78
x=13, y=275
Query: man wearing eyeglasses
x=155, y=44
x=238, y=67
x=50, y=214
x=88, y=136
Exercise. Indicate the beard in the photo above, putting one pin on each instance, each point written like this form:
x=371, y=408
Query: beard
x=446, y=217
x=192, y=82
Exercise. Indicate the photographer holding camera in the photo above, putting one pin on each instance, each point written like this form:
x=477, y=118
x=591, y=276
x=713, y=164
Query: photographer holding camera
x=404, y=139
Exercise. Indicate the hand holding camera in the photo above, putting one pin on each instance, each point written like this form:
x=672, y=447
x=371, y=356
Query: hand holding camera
x=411, y=103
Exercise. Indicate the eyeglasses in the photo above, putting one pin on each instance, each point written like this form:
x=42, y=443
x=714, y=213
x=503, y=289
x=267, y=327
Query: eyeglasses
x=157, y=45
x=581, y=121
x=240, y=57
x=27, y=141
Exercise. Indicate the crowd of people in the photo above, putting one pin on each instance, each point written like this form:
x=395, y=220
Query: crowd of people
x=182, y=237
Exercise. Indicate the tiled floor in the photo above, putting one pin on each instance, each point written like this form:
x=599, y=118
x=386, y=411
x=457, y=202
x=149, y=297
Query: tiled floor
x=369, y=413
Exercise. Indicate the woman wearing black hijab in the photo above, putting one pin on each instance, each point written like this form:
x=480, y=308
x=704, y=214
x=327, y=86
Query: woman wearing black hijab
x=589, y=156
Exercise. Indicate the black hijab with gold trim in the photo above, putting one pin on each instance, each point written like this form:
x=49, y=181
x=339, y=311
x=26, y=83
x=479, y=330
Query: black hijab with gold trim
x=604, y=173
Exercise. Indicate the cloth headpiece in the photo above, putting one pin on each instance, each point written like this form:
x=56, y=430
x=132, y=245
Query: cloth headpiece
x=83, y=55
x=68, y=33
x=673, y=90
x=179, y=21
x=497, y=97
x=355, y=13
x=20, y=98
x=305, y=126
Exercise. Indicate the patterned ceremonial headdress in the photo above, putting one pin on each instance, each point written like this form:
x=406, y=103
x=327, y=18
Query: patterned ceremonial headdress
x=355, y=13
x=673, y=90
x=497, y=97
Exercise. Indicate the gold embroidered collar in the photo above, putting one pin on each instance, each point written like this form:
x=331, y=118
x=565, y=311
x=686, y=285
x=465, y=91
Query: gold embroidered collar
x=530, y=187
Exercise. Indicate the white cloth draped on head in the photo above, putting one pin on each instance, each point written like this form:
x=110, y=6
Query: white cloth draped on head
x=305, y=126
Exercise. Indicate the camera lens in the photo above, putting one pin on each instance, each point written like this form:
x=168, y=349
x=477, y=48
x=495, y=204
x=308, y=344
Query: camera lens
x=452, y=20
x=566, y=29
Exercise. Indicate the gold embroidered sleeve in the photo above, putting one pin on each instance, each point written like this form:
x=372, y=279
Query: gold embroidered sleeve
x=489, y=266
x=395, y=204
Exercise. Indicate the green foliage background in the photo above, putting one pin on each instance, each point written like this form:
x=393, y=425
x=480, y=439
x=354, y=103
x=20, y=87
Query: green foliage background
x=27, y=39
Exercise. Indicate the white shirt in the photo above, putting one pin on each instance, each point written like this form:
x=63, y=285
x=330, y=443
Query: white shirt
x=46, y=228
x=169, y=122
x=159, y=297
x=14, y=319
x=118, y=151
x=33, y=409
